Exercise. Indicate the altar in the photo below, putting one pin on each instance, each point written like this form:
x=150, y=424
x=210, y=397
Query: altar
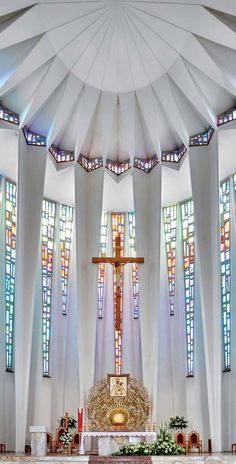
x=118, y=410
x=110, y=442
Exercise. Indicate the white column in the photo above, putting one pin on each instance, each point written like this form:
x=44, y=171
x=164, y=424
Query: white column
x=147, y=206
x=205, y=187
x=88, y=211
x=31, y=174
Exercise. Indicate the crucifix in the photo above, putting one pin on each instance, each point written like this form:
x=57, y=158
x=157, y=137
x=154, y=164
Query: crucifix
x=117, y=262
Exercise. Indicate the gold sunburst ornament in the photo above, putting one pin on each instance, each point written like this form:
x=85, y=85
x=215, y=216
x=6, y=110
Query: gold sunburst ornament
x=118, y=403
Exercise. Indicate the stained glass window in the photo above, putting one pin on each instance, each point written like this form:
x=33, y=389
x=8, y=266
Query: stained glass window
x=8, y=115
x=203, y=138
x=101, y=267
x=134, y=266
x=174, y=156
x=170, y=229
x=187, y=217
x=225, y=269
x=61, y=156
x=90, y=164
x=118, y=168
x=146, y=165
x=48, y=231
x=227, y=116
x=118, y=228
x=10, y=266
x=66, y=223
x=34, y=139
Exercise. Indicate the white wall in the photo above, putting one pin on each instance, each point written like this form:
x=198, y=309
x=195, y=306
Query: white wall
x=176, y=394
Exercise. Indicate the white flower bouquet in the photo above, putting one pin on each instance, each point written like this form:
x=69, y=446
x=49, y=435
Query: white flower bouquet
x=66, y=438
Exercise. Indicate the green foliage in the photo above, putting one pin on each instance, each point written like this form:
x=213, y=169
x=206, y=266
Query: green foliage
x=134, y=450
x=163, y=445
x=178, y=422
x=71, y=422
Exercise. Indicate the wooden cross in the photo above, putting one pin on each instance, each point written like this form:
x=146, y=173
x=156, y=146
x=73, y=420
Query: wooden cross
x=117, y=262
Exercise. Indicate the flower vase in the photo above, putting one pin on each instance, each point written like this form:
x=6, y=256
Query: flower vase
x=66, y=448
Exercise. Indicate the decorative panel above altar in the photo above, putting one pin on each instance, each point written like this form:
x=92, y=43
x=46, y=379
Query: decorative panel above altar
x=118, y=403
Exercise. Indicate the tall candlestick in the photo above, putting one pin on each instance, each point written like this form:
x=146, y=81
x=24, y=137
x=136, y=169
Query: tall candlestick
x=66, y=421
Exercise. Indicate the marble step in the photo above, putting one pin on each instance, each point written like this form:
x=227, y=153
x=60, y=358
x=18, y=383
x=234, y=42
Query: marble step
x=120, y=459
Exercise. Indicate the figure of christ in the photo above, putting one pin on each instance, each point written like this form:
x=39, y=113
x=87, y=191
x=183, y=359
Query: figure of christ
x=117, y=262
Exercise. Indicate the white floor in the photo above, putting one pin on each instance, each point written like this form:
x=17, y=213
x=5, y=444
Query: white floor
x=214, y=458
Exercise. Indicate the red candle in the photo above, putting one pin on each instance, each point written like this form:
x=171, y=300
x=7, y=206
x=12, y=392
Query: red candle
x=66, y=422
x=80, y=420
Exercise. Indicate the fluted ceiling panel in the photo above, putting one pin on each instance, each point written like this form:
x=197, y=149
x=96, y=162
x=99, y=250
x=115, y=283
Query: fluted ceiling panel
x=118, y=78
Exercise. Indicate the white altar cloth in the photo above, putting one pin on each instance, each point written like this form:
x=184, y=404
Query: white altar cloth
x=38, y=440
x=105, y=445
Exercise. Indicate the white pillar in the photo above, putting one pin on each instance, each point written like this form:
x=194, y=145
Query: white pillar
x=205, y=187
x=88, y=211
x=31, y=174
x=147, y=206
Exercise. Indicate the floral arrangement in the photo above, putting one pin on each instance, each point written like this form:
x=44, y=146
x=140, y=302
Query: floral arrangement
x=132, y=450
x=163, y=445
x=71, y=422
x=178, y=422
x=66, y=438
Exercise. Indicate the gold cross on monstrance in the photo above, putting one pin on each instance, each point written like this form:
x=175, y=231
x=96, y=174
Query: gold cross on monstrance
x=117, y=262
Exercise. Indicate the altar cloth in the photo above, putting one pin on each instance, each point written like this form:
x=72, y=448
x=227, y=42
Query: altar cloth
x=109, y=442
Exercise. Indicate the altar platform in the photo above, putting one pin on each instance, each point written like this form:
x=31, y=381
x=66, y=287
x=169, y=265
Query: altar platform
x=194, y=458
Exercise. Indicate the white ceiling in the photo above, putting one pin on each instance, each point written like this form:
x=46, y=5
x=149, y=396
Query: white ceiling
x=118, y=78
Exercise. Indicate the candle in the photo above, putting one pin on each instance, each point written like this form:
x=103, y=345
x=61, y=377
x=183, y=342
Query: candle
x=66, y=421
x=80, y=420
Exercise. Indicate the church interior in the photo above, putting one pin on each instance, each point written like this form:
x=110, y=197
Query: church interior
x=117, y=226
